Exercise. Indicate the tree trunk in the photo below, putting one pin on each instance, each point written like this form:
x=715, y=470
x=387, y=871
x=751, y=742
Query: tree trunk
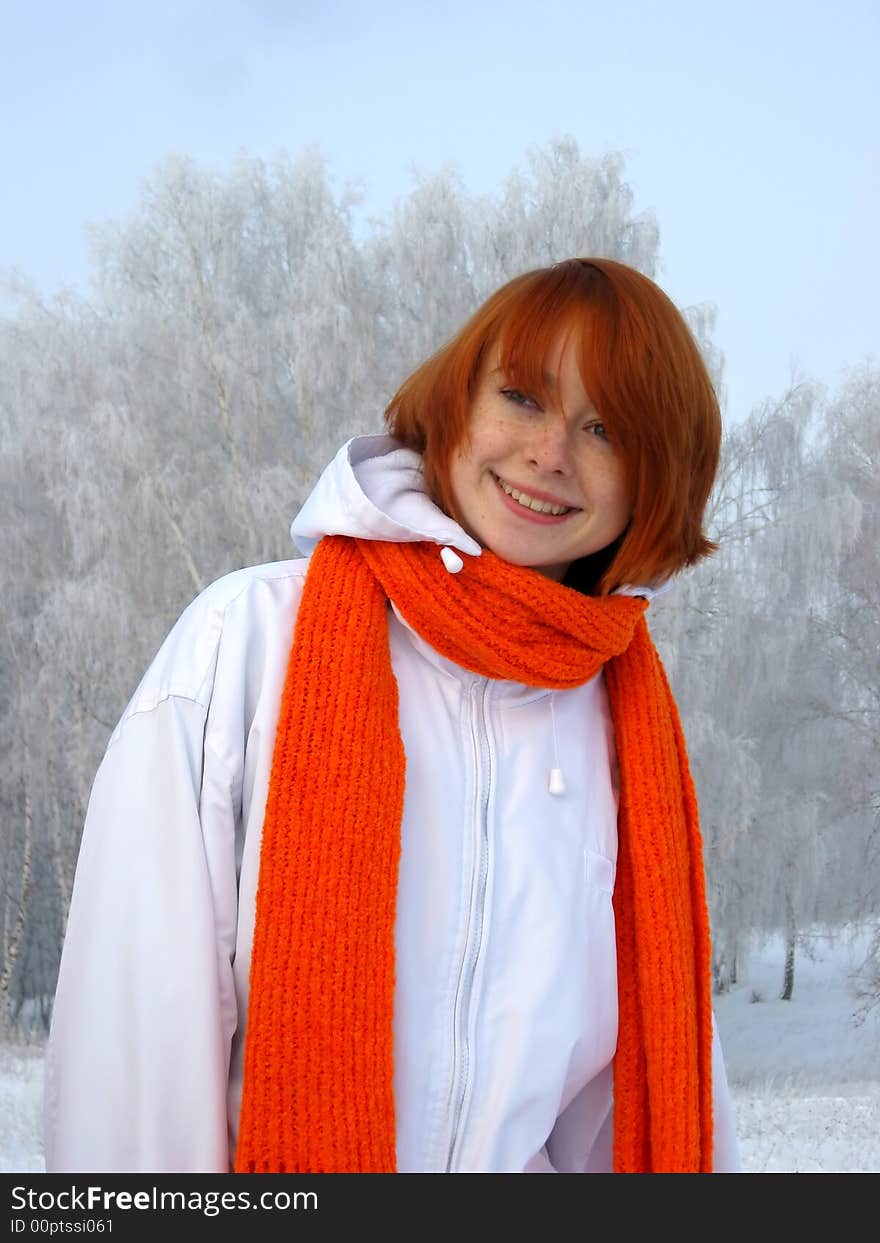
x=790, y=941
x=13, y=945
x=724, y=963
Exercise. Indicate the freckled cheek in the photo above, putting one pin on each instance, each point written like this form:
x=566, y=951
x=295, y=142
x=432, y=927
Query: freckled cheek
x=488, y=450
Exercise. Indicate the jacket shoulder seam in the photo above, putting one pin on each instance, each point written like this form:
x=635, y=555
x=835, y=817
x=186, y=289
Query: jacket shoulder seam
x=152, y=699
x=143, y=709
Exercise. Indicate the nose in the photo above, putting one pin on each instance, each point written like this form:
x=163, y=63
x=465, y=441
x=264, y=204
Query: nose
x=548, y=449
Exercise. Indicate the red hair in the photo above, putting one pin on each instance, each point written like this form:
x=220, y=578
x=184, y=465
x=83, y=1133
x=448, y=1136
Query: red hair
x=644, y=374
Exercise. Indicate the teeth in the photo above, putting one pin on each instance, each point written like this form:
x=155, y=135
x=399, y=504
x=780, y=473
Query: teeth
x=529, y=502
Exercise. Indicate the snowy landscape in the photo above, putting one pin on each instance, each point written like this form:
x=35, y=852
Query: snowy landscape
x=805, y=1073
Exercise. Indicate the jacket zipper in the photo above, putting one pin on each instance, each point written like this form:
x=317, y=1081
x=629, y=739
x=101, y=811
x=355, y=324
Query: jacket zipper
x=473, y=940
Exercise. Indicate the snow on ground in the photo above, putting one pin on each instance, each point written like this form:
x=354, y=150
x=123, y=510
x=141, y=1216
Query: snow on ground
x=832, y=1130
x=21, y=1088
x=805, y=1075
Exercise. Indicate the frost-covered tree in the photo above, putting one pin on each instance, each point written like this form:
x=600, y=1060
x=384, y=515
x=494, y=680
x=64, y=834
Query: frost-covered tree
x=848, y=636
x=751, y=673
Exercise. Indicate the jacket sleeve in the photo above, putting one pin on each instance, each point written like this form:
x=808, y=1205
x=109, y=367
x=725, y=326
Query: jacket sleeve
x=138, y=1054
x=726, y=1157
x=582, y=1139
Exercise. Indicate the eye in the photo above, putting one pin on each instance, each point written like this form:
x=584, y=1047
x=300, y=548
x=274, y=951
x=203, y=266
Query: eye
x=599, y=428
x=519, y=398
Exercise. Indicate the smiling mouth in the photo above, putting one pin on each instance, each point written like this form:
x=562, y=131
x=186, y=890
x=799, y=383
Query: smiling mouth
x=533, y=503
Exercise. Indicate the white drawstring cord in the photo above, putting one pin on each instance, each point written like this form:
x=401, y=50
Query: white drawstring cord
x=556, y=783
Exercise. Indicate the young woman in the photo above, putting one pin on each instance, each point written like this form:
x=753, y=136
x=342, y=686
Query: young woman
x=393, y=860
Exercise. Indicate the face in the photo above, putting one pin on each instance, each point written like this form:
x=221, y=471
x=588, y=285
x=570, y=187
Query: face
x=539, y=485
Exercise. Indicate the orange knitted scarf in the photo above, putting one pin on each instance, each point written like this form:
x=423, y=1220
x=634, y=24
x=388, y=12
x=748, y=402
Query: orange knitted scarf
x=317, y=1093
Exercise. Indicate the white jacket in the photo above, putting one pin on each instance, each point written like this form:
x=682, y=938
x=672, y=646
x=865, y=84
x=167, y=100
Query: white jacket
x=505, y=1017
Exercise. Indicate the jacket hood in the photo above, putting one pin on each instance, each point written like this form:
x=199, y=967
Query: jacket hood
x=374, y=489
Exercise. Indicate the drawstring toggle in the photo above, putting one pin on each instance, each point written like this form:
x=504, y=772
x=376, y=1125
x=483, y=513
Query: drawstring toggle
x=556, y=784
x=556, y=781
x=451, y=560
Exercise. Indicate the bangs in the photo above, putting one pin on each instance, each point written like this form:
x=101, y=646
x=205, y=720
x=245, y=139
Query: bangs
x=569, y=301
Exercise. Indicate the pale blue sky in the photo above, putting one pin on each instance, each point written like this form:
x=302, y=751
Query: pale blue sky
x=750, y=130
